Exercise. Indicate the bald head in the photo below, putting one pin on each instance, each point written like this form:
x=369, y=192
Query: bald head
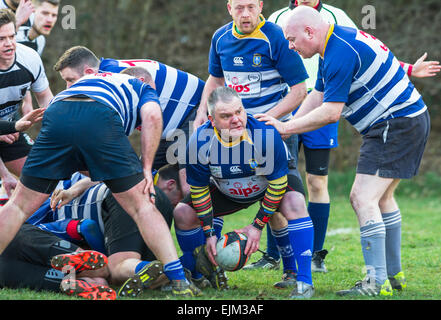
x=306, y=31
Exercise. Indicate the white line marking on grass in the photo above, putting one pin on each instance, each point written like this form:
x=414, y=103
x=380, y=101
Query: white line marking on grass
x=340, y=231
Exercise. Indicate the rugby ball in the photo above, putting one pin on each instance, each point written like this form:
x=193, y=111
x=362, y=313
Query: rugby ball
x=230, y=250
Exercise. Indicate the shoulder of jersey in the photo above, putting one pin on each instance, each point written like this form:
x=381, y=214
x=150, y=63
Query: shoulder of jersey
x=26, y=52
x=220, y=31
x=28, y=57
x=276, y=14
x=253, y=123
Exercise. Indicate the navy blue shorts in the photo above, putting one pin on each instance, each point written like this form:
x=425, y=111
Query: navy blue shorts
x=323, y=138
x=81, y=136
x=394, y=148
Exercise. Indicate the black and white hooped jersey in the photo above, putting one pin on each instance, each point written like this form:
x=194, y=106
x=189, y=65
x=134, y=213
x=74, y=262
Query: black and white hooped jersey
x=27, y=73
x=38, y=43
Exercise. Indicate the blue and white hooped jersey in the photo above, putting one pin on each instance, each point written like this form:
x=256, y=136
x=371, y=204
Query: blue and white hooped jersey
x=362, y=72
x=241, y=169
x=86, y=206
x=179, y=92
x=123, y=93
x=259, y=66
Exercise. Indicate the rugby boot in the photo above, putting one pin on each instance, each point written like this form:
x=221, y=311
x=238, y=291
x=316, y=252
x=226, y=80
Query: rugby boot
x=289, y=280
x=318, y=261
x=398, y=281
x=266, y=262
x=302, y=291
x=185, y=288
x=86, y=290
x=79, y=260
x=366, y=288
x=147, y=277
x=214, y=274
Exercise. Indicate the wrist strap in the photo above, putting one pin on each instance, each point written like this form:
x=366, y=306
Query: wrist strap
x=209, y=232
x=261, y=219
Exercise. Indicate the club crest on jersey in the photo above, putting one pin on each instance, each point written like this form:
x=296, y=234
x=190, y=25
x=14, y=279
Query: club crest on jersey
x=253, y=164
x=257, y=60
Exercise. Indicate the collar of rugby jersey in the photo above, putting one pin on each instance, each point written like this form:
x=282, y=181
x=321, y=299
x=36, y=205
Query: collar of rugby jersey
x=257, y=33
x=294, y=4
x=244, y=137
x=330, y=31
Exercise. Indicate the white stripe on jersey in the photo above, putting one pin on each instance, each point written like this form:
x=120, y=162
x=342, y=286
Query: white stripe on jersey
x=86, y=206
x=101, y=88
x=178, y=91
x=182, y=106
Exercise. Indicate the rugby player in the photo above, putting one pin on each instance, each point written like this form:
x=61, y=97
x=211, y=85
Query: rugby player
x=179, y=96
x=21, y=70
x=360, y=79
x=246, y=162
x=86, y=215
x=251, y=55
x=64, y=147
x=317, y=144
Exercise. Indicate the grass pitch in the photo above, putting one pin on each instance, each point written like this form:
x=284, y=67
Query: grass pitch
x=421, y=251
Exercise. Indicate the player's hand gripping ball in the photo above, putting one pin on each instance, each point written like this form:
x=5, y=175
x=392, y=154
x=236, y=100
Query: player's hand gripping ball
x=230, y=251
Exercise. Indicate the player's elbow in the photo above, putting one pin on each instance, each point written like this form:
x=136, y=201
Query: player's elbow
x=151, y=113
x=333, y=111
x=333, y=117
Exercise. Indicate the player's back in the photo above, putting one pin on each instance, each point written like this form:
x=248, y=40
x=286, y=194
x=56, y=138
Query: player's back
x=123, y=93
x=179, y=92
x=379, y=88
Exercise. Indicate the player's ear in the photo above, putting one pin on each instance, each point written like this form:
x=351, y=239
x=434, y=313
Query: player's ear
x=171, y=184
x=89, y=70
x=211, y=120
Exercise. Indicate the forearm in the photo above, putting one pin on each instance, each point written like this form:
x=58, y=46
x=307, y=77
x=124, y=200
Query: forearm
x=312, y=101
x=291, y=101
x=201, y=200
x=271, y=201
x=325, y=114
x=7, y=127
x=43, y=98
x=27, y=107
x=4, y=172
x=151, y=132
x=82, y=185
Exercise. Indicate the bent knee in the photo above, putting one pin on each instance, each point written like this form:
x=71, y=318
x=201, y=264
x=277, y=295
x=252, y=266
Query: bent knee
x=185, y=217
x=293, y=206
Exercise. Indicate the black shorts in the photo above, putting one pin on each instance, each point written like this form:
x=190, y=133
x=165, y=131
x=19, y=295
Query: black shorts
x=176, y=148
x=121, y=233
x=81, y=136
x=25, y=263
x=394, y=148
x=17, y=150
x=316, y=161
x=223, y=205
x=36, y=246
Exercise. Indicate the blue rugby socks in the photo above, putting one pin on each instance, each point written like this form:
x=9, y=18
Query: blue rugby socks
x=91, y=232
x=174, y=271
x=285, y=248
x=319, y=213
x=271, y=244
x=301, y=233
x=373, y=238
x=392, y=223
x=188, y=241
